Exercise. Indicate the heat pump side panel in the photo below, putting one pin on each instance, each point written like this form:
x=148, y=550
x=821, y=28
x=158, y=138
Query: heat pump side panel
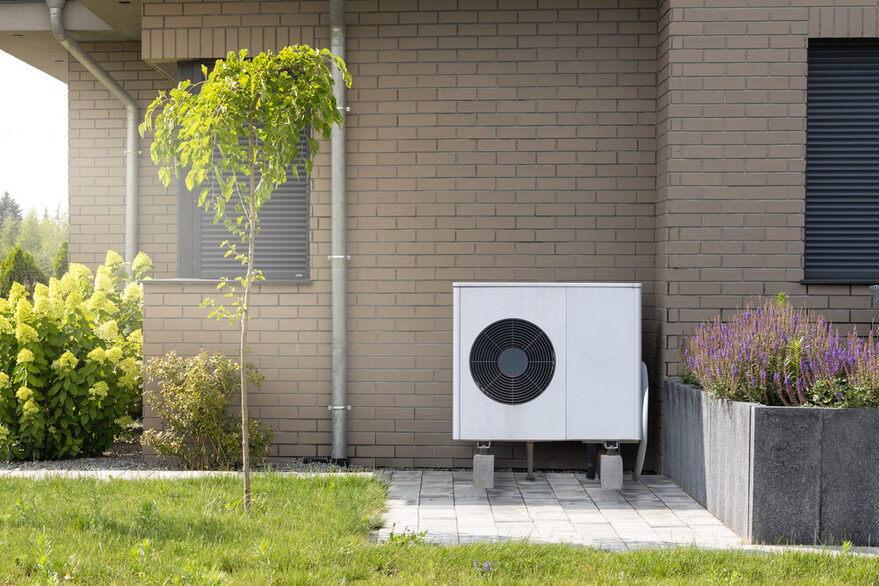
x=481, y=418
x=604, y=363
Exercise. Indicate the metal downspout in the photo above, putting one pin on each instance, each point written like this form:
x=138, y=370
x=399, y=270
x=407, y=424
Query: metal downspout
x=339, y=256
x=56, y=23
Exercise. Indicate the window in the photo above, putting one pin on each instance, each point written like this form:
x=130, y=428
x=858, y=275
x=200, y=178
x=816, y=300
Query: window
x=842, y=163
x=281, y=249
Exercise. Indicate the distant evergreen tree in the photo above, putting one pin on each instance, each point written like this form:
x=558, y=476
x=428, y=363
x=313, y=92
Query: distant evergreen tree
x=29, y=235
x=8, y=235
x=59, y=267
x=20, y=267
x=9, y=207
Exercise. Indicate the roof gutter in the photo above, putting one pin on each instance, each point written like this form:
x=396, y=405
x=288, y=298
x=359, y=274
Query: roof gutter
x=339, y=256
x=56, y=24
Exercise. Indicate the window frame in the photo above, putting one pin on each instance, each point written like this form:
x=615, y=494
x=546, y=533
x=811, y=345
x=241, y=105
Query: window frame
x=826, y=260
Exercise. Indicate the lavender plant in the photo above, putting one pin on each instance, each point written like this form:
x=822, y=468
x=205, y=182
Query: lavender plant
x=775, y=354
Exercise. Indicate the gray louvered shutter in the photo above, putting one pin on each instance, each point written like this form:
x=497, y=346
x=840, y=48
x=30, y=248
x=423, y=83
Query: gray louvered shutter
x=281, y=248
x=842, y=163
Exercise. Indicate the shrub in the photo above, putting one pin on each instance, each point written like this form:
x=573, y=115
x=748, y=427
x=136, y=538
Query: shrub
x=20, y=267
x=70, y=361
x=59, y=266
x=776, y=354
x=192, y=401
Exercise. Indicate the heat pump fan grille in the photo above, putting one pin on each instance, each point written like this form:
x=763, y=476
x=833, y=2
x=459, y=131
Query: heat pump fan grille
x=512, y=361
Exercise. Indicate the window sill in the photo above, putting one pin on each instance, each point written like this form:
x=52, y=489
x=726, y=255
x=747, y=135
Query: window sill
x=215, y=282
x=840, y=282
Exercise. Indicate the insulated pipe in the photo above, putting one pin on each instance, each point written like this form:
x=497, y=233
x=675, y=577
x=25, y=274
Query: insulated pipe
x=339, y=407
x=56, y=23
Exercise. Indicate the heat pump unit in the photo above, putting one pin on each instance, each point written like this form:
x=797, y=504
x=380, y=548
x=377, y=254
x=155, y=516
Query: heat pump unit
x=548, y=361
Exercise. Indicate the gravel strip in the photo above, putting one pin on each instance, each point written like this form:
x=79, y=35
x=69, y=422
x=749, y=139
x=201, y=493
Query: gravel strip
x=127, y=455
x=137, y=463
x=101, y=463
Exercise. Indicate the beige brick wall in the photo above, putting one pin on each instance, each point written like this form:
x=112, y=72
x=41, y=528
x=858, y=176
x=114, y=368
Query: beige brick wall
x=491, y=144
x=731, y=158
x=97, y=162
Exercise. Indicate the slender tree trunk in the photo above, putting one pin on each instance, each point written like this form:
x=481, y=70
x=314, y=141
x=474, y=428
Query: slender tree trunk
x=245, y=316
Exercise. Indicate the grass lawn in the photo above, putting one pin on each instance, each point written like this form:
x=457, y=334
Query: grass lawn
x=316, y=530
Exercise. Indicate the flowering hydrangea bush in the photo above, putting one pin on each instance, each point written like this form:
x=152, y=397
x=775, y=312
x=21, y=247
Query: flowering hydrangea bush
x=70, y=361
x=776, y=354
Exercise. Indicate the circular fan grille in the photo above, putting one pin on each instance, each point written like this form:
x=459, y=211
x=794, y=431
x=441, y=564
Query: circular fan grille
x=512, y=361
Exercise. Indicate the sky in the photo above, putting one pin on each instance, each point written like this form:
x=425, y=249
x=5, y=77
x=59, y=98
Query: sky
x=33, y=136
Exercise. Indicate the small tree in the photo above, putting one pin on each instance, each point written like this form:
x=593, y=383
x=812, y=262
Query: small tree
x=61, y=262
x=20, y=267
x=241, y=128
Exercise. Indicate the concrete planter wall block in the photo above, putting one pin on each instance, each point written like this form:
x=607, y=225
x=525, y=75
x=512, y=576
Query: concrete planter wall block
x=775, y=474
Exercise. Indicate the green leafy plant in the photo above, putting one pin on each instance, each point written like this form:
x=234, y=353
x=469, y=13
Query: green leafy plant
x=262, y=553
x=407, y=538
x=59, y=265
x=242, y=128
x=44, y=563
x=20, y=267
x=192, y=401
x=70, y=361
x=141, y=555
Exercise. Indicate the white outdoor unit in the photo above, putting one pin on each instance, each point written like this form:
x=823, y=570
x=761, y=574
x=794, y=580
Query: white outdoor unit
x=548, y=361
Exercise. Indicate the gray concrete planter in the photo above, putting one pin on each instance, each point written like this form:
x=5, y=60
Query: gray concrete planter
x=775, y=474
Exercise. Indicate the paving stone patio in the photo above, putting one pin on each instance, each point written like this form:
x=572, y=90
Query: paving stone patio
x=554, y=507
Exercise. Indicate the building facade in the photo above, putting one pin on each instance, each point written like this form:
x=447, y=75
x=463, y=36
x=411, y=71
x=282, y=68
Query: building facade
x=660, y=142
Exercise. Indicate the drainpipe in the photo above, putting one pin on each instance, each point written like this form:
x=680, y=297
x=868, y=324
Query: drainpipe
x=338, y=258
x=56, y=23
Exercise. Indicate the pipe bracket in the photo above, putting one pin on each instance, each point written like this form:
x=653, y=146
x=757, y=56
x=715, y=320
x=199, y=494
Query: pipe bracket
x=339, y=407
x=339, y=257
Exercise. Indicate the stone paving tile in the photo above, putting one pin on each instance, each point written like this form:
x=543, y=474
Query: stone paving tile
x=677, y=535
x=524, y=530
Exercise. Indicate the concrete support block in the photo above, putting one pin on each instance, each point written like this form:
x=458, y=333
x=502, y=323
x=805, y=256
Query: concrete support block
x=611, y=471
x=483, y=470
